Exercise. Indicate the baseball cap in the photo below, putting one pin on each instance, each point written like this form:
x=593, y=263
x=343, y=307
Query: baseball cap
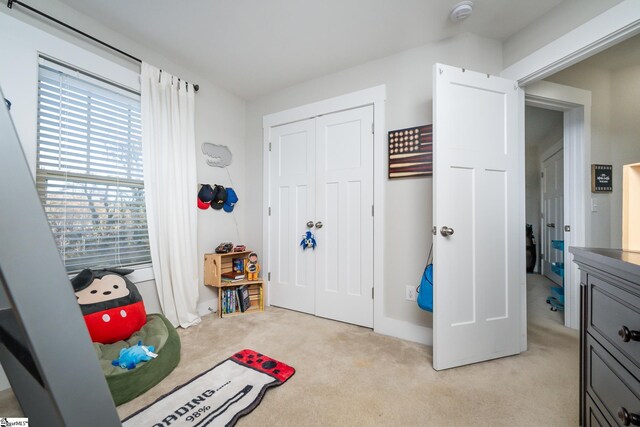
x=219, y=197
x=203, y=205
x=205, y=195
x=232, y=199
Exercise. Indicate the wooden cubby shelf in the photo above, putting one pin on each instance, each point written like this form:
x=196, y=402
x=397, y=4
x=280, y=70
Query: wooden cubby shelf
x=217, y=264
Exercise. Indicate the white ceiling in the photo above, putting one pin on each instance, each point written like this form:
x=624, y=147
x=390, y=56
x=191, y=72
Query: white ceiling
x=255, y=47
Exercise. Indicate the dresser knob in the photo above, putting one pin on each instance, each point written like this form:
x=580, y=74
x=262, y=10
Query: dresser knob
x=628, y=419
x=628, y=335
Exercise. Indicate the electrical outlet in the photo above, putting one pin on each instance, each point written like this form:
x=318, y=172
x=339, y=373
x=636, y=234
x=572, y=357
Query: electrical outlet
x=410, y=293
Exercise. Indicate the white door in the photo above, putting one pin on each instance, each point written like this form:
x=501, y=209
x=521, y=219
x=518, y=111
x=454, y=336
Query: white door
x=292, y=200
x=552, y=212
x=477, y=215
x=321, y=171
x=344, y=194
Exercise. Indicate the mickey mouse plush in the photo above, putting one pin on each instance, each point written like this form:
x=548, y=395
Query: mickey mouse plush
x=111, y=304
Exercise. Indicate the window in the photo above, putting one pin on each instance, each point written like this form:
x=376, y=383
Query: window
x=89, y=169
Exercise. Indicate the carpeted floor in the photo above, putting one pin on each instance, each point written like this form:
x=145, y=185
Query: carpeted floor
x=347, y=375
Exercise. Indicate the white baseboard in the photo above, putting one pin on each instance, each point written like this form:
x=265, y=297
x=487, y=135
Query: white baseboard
x=404, y=330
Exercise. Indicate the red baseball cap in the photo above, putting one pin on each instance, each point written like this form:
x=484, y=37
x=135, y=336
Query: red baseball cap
x=203, y=205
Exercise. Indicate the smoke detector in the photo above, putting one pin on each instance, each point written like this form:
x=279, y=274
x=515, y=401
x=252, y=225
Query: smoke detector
x=461, y=11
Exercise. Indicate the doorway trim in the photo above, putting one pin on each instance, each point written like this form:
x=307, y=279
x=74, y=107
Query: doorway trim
x=614, y=25
x=375, y=96
x=576, y=106
x=607, y=29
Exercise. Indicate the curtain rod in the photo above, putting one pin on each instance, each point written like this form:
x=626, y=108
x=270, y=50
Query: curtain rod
x=10, y=4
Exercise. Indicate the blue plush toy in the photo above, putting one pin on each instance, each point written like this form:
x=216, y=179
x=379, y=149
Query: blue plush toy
x=308, y=241
x=131, y=356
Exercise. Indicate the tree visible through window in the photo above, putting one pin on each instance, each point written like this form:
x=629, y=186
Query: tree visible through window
x=89, y=169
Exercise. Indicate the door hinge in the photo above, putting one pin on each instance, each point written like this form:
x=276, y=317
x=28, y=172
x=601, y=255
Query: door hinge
x=373, y=128
x=372, y=293
x=541, y=174
x=269, y=145
x=434, y=230
x=269, y=276
x=567, y=228
x=372, y=212
x=269, y=210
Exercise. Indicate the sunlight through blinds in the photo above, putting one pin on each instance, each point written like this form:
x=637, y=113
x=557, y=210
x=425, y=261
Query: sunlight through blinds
x=89, y=170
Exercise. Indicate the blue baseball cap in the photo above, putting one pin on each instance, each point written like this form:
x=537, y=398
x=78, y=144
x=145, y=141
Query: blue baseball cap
x=232, y=199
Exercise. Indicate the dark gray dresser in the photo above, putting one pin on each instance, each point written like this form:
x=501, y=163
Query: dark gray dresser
x=609, y=336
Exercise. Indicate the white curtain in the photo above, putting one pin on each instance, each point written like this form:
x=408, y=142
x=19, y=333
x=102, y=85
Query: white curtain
x=170, y=182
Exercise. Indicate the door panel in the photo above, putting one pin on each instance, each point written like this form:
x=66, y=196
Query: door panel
x=553, y=212
x=322, y=171
x=476, y=194
x=293, y=204
x=344, y=170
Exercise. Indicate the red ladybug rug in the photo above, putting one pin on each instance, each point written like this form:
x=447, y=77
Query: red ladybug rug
x=217, y=397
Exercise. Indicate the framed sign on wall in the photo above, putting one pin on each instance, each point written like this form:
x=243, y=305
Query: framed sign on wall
x=410, y=152
x=601, y=178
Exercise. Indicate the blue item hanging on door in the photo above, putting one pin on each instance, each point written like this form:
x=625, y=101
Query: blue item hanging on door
x=425, y=290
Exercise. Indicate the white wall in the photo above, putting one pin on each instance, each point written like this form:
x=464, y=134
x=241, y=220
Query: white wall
x=615, y=136
x=560, y=20
x=625, y=132
x=408, y=80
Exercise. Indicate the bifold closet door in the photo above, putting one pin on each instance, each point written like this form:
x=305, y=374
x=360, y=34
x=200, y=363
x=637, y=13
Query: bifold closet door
x=321, y=180
x=292, y=199
x=344, y=194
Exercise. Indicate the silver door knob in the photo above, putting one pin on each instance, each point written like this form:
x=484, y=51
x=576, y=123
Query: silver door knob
x=446, y=231
x=318, y=224
x=551, y=225
x=310, y=224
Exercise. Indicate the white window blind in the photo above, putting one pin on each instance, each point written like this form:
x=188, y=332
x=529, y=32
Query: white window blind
x=89, y=169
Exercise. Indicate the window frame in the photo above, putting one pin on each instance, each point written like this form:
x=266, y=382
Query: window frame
x=142, y=271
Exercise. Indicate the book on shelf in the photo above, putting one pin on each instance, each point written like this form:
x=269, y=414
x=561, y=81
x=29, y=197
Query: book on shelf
x=230, y=301
x=238, y=264
x=231, y=280
x=244, y=301
x=232, y=275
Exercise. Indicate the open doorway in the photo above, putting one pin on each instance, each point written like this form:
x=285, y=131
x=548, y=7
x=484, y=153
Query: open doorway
x=544, y=179
x=609, y=115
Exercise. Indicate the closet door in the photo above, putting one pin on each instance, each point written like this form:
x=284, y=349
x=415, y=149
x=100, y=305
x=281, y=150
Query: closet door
x=552, y=212
x=292, y=199
x=344, y=200
x=321, y=174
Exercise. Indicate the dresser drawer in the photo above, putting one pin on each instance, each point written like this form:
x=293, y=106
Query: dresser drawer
x=611, y=309
x=609, y=384
x=594, y=417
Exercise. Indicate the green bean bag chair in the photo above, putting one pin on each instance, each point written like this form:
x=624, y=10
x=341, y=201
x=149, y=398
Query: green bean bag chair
x=128, y=384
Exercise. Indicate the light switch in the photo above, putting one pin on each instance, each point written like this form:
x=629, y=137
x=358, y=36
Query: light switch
x=594, y=205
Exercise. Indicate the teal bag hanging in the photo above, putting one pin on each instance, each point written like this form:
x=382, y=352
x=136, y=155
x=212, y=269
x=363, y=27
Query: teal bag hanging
x=425, y=290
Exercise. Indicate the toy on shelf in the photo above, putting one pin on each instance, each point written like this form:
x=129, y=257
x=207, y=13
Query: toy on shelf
x=131, y=356
x=224, y=248
x=252, y=268
x=308, y=241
